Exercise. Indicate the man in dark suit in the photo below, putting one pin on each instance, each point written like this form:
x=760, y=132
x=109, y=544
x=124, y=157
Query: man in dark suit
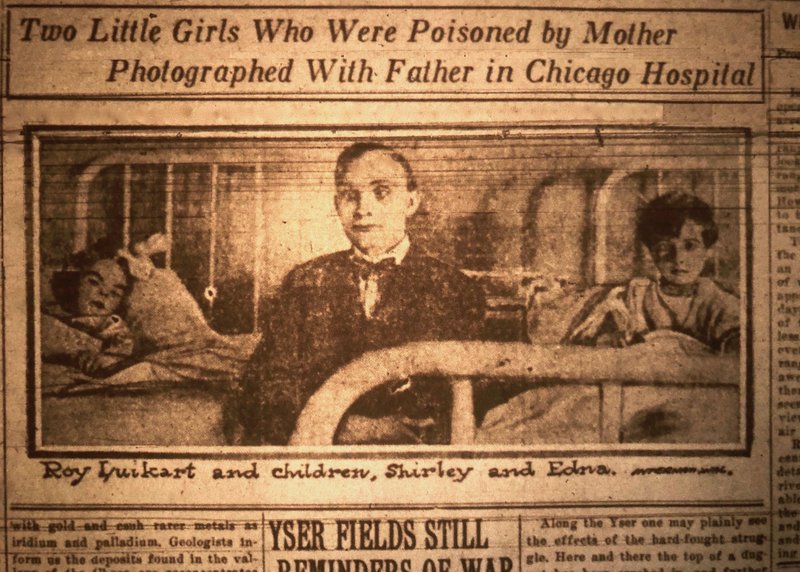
x=382, y=292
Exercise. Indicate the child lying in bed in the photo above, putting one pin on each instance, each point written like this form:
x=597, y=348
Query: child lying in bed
x=679, y=231
x=83, y=328
x=164, y=326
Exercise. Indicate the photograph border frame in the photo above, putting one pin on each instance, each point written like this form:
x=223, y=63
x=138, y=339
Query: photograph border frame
x=32, y=134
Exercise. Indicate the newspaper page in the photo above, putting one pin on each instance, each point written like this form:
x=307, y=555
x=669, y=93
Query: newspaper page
x=400, y=287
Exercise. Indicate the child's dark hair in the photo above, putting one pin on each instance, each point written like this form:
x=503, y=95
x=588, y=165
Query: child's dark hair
x=664, y=216
x=64, y=283
x=357, y=150
x=104, y=248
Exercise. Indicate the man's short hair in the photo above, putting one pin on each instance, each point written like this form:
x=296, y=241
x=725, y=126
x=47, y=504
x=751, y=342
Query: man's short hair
x=358, y=150
x=664, y=217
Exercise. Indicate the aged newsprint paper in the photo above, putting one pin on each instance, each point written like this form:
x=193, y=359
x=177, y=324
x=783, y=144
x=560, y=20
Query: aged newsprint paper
x=436, y=286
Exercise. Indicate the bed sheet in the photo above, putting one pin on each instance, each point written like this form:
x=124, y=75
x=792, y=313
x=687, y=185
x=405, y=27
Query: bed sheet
x=145, y=404
x=650, y=412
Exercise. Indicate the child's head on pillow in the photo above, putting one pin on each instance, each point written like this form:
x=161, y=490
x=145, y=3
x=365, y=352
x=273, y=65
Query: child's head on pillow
x=94, y=283
x=680, y=233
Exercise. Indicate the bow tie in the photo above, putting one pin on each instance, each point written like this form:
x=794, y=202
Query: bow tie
x=366, y=269
x=685, y=290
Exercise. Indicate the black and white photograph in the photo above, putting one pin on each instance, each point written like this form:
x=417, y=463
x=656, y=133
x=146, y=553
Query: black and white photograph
x=501, y=289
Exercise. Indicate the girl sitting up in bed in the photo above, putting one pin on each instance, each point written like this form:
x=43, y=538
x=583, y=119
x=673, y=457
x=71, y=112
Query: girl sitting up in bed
x=679, y=231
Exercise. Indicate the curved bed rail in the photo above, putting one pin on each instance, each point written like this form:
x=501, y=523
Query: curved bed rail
x=650, y=363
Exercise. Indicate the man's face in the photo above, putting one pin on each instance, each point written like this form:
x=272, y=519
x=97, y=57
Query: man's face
x=681, y=259
x=101, y=289
x=373, y=202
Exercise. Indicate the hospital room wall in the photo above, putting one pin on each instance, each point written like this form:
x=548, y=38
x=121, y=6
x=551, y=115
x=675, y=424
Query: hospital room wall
x=488, y=206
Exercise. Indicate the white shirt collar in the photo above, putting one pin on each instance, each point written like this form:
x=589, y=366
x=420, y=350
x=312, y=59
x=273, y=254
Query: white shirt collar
x=398, y=252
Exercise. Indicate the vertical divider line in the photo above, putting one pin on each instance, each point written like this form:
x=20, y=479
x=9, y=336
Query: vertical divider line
x=126, y=205
x=211, y=292
x=659, y=182
x=83, y=189
x=36, y=265
x=260, y=239
x=519, y=542
x=168, y=212
x=602, y=411
x=462, y=422
x=715, y=206
x=212, y=247
x=263, y=543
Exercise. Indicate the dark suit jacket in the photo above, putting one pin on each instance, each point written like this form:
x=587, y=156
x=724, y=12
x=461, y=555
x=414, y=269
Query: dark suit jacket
x=317, y=325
